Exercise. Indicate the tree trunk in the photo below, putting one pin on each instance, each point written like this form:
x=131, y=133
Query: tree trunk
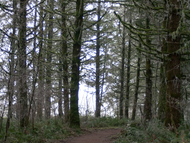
x=148, y=98
x=97, y=113
x=22, y=65
x=122, y=74
x=40, y=96
x=128, y=74
x=74, y=113
x=49, y=59
x=34, y=72
x=60, y=88
x=173, y=113
x=11, y=74
x=162, y=93
x=137, y=86
x=65, y=63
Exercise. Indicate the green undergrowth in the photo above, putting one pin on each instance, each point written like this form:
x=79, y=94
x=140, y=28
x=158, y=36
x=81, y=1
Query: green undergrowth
x=154, y=132
x=54, y=129
x=102, y=122
x=132, y=131
x=42, y=132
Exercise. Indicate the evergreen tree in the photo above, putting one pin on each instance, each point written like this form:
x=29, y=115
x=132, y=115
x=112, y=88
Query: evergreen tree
x=22, y=65
x=74, y=112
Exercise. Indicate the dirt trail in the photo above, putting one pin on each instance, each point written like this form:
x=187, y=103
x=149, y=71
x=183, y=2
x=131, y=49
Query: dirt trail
x=97, y=136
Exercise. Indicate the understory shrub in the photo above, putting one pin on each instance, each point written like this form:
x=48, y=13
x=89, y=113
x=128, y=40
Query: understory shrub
x=42, y=131
x=93, y=122
x=154, y=131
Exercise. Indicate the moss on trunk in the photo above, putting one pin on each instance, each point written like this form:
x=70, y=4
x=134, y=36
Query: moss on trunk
x=74, y=113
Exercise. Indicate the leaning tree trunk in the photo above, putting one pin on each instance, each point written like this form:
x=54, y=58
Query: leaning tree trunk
x=22, y=65
x=74, y=113
x=97, y=113
x=173, y=113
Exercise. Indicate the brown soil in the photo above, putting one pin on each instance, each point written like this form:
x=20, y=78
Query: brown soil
x=95, y=136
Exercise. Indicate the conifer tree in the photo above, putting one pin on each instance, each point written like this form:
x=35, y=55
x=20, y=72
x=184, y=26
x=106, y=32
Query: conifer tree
x=74, y=111
x=22, y=65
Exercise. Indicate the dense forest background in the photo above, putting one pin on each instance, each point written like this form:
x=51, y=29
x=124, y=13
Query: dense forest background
x=132, y=55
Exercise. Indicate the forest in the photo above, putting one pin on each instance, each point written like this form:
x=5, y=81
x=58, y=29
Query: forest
x=132, y=55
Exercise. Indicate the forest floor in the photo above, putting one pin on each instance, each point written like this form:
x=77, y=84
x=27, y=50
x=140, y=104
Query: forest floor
x=108, y=135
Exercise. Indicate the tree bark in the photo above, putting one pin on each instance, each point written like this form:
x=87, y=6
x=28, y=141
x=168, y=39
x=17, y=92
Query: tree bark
x=173, y=113
x=22, y=65
x=65, y=63
x=137, y=86
x=49, y=59
x=122, y=74
x=148, y=97
x=12, y=73
x=74, y=113
x=162, y=93
x=97, y=113
x=40, y=96
x=34, y=73
x=128, y=73
x=60, y=88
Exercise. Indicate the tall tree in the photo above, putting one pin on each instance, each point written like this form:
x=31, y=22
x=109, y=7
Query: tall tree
x=162, y=92
x=128, y=72
x=97, y=113
x=122, y=71
x=173, y=113
x=148, y=97
x=74, y=113
x=60, y=87
x=137, y=85
x=49, y=60
x=11, y=71
x=65, y=61
x=22, y=65
x=32, y=102
x=40, y=96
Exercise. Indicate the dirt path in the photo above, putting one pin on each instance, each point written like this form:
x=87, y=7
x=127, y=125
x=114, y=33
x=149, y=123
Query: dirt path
x=96, y=136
